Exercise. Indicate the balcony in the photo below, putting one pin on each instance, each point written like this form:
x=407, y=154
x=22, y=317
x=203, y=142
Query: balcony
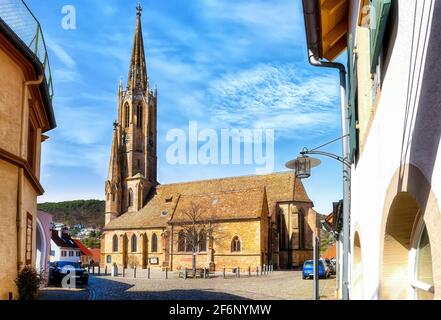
x=17, y=18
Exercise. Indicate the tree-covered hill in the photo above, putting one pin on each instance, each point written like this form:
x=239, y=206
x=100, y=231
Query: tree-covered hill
x=89, y=213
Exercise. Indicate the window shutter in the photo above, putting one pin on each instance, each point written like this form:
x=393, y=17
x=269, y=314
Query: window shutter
x=379, y=11
x=352, y=90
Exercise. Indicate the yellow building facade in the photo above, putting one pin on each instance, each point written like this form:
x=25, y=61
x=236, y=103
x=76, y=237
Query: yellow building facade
x=25, y=114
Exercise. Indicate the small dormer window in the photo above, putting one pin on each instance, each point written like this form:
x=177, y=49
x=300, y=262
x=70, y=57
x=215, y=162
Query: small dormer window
x=164, y=213
x=169, y=199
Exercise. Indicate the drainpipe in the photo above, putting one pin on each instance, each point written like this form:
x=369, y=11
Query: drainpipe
x=346, y=170
x=23, y=127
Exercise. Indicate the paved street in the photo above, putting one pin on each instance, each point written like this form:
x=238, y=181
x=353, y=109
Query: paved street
x=282, y=285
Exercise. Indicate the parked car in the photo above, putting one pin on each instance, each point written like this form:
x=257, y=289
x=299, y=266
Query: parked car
x=308, y=269
x=331, y=266
x=59, y=269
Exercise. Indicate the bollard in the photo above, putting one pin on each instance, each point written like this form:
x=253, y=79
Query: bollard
x=134, y=273
x=185, y=273
x=99, y=270
x=238, y=272
x=166, y=273
x=264, y=269
x=249, y=271
x=257, y=271
x=124, y=271
x=148, y=273
x=105, y=271
x=204, y=273
x=223, y=272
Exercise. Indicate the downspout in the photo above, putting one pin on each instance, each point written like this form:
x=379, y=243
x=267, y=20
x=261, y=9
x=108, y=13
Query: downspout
x=346, y=170
x=23, y=127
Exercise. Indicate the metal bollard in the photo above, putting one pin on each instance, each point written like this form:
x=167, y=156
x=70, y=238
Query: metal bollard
x=264, y=269
x=223, y=272
x=99, y=270
x=238, y=272
x=148, y=273
x=166, y=273
x=105, y=271
x=249, y=271
x=134, y=273
x=205, y=273
x=257, y=271
x=185, y=273
x=124, y=271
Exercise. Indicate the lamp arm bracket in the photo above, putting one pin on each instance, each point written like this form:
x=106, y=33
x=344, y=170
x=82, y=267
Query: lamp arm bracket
x=326, y=154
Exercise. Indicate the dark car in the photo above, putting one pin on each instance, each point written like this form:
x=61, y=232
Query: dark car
x=308, y=269
x=59, y=269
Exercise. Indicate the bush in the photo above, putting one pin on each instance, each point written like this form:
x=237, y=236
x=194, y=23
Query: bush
x=28, y=283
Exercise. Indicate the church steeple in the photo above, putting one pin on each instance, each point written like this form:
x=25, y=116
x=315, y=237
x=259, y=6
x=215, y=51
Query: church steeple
x=133, y=160
x=138, y=70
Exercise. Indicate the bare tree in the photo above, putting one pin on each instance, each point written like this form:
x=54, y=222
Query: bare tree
x=197, y=230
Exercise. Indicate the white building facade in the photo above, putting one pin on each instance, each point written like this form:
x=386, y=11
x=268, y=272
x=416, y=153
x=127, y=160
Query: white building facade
x=63, y=248
x=394, y=110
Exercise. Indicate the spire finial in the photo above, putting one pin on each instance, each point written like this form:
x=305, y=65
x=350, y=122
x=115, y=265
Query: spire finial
x=139, y=9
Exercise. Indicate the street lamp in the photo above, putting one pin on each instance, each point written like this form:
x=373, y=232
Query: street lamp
x=302, y=166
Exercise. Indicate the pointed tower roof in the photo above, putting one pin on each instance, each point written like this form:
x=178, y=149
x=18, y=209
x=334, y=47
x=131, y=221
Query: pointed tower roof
x=114, y=174
x=138, y=69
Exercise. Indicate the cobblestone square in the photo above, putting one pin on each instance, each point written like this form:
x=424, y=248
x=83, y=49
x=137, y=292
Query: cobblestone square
x=280, y=285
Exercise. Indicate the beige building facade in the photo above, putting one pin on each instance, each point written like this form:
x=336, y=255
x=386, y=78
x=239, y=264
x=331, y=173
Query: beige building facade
x=25, y=115
x=238, y=222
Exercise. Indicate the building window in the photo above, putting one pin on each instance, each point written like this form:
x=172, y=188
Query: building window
x=63, y=253
x=139, y=116
x=301, y=230
x=127, y=115
x=423, y=283
x=78, y=253
x=71, y=253
x=282, y=232
x=235, y=244
x=130, y=198
x=192, y=237
x=134, y=243
x=115, y=243
x=202, y=241
x=181, y=241
x=109, y=259
x=154, y=243
x=28, y=253
x=32, y=142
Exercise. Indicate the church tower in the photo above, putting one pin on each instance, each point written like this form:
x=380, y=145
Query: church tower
x=133, y=160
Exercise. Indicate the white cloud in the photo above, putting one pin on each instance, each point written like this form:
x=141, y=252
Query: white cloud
x=60, y=53
x=283, y=98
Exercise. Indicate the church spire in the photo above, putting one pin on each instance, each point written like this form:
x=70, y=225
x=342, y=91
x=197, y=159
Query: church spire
x=137, y=70
x=114, y=175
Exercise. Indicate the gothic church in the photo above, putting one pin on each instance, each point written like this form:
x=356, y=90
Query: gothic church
x=265, y=219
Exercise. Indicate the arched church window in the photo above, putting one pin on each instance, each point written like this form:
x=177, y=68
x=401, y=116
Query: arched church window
x=127, y=115
x=181, y=241
x=139, y=116
x=191, y=241
x=154, y=243
x=134, y=242
x=130, y=198
x=235, y=244
x=202, y=241
x=115, y=243
x=301, y=230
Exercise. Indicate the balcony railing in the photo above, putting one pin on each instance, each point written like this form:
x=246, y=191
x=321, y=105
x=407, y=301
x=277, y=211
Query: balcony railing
x=17, y=15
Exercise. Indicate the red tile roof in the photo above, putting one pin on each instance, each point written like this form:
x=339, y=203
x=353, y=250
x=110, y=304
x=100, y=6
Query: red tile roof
x=83, y=248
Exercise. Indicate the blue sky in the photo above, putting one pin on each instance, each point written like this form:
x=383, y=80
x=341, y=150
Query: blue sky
x=225, y=64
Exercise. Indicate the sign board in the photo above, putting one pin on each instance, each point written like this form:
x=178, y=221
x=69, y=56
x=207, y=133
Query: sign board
x=154, y=260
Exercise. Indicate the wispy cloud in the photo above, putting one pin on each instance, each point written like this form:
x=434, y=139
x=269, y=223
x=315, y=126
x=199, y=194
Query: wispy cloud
x=282, y=97
x=60, y=53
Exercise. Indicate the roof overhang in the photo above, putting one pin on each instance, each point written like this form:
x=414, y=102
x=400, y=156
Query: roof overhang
x=326, y=26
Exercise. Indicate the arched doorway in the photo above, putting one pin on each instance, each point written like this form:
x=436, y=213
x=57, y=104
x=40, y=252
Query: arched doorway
x=397, y=238
x=41, y=254
x=357, y=270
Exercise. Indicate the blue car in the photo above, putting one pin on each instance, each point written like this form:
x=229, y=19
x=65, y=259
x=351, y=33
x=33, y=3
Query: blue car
x=308, y=269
